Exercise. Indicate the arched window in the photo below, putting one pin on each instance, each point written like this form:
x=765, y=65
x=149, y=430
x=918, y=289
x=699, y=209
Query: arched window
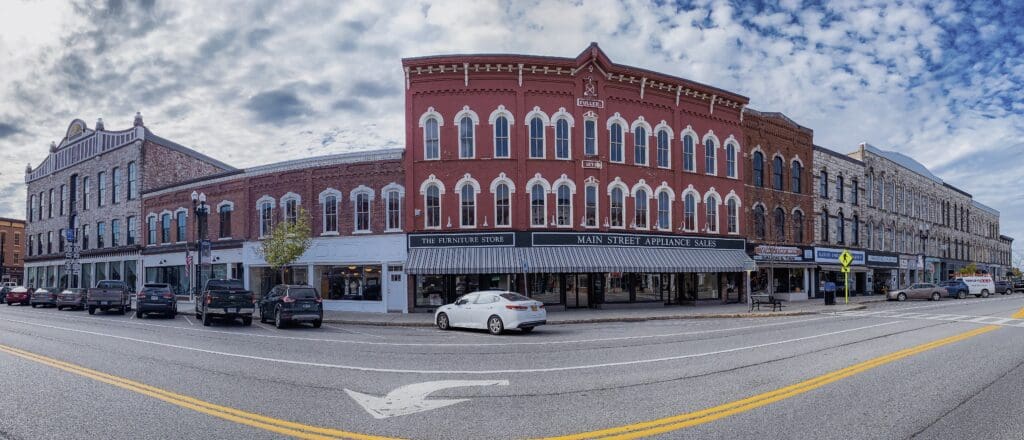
x=840, y=227
x=467, y=205
x=824, y=226
x=795, y=176
x=759, y=222
x=133, y=181
x=562, y=139
x=640, y=205
x=165, y=228
x=431, y=140
x=777, y=173
x=180, y=217
x=393, y=207
x=563, y=205
x=432, y=205
x=730, y=160
x=115, y=185
x=798, y=226
x=854, y=190
x=590, y=216
x=640, y=146
x=291, y=211
x=616, y=208
x=362, y=212
x=689, y=162
x=870, y=238
x=224, y=215
x=663, y=149
x=758, y=169
x=151, y=230
x=840, y=188
x=823, y=184
x=538, y=206
x=780, y=225
x=615, y=143
x=467, y=140
x=710, y=161
x=689, y=212
x=855, y=230
x=732, y=212
x=501, y=137
x=536, y=138
x=590, y=137
x=502, y=206
x=266, y=218
x=711, y=215
x=871, y=190
x=664, y=211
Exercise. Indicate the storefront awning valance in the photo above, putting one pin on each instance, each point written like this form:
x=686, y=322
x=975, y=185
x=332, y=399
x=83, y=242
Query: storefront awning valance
x=464, y=260
x=837, y=268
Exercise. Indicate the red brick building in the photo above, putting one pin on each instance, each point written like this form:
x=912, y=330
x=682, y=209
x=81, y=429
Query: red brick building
x=517, y=161
x=12, y=251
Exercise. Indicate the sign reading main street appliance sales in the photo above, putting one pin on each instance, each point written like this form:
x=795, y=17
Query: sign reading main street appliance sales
x=633, y=240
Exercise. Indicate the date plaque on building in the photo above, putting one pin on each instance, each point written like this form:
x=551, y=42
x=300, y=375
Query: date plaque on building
x=594, y=164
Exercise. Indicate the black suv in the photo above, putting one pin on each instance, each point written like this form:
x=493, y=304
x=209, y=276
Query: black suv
x=1004, y=287
x=156, y=298
x=226, y=299
x=286, y=304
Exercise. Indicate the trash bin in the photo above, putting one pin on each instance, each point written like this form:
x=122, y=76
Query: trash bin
x=830, y=293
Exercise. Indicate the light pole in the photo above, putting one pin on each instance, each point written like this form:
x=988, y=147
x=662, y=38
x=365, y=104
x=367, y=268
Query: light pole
x=923, y=230
x=199, y=208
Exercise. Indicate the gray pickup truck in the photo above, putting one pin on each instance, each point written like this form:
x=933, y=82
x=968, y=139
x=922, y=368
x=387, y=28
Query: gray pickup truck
x=109, y=295
x=226, y=299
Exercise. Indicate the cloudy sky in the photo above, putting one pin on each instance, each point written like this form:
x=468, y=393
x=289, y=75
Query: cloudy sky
x=262, y=81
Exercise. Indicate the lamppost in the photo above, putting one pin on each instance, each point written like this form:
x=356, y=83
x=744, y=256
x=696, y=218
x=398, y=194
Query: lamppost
x=200, y=209
x=923, y=230
x=3, y=249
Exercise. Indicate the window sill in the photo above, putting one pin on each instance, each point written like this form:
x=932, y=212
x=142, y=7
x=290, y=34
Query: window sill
x=391, y=231
x=224, y=239
x=330, y=234
x=361, y=232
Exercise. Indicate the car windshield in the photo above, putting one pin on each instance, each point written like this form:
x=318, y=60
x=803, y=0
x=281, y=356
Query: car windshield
x=302, y=293
x=514, y=297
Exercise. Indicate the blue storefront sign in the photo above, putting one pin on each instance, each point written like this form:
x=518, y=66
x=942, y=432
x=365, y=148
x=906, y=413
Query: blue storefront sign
x=831, y=256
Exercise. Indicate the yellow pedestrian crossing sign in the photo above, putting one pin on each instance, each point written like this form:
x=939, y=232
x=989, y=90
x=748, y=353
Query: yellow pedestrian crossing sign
x=844, y=269
x=845, y=258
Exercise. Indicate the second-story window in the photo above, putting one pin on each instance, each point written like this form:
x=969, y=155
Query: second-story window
x=115, y=186
x=730, y=160
x=467, y=212
x=795, y=177
x=115, y=233
x=131, y=230
x=823, y=185
x=502, y=206
x=224, y=215
x=616, y=206
x=538, y=206
x=689, y=161
x=85, y=237
x=151, y=230
x=640, y=146
x=663, y=149
x=431, y=140
x=840, y=188
x=432, y=206
x=467, y=140
x=664, y=211
x=266, y=218
x=165, y=228
x=330, y=214
x=133, y=181
x=590, y=137
x=101, y=235
x=291, y=211
x=393, y=204
x=501, y=141
x=640, y=206
x=536, y=138
x=86, y=192
x=362, y=212
x=182, y=224
x=562, y=139
x=777, y=173
x=101, y=188
x=615, y=143
x=710, y=159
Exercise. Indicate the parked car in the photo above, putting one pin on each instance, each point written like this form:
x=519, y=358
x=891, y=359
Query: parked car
x=43, y=296
x=1004, y=287
x=225, y=299
x=956, y=288
x=980, y=286
x=19, y=295
x=71, y=299
x=917, y=291
x=493, y=310
x=1018, y=285
x=288, y=304
x=109, y=295
x=156, y=298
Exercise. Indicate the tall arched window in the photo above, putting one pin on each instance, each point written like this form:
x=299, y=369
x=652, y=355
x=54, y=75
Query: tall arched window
x=854, y=190
x=501, y=137
x=690, y=212
x=616, y=207
x=710, y=161
x=615, y=143
x=824, y=226
x=563, y=206
x=730, y=160
x=133, y=181
x=711, y=215
x=823, y=184
x=780, y=225
x=689, y=162
x=777, y=173
x=224, y=215
x=467, y=207
x=640, y=204
x=758, y=174
x=562, y=139
x=467, y=141
x=502, y=206
x=536, y=138
x=165, y=228
x=432, y=206
x=362, y=212
x=732, y=212
x=871, y=189
x=855, y=230
x=795, y=176
x=431, y=140
x=759, y=222
x=590, y=137
x=590, y=216
x=840, y=227
x=840, y=188
x=150, y=230
x=664, y=211
x=870, y=238
x=640, y=146
x=538, y=206
x=798, y=226
x=663, y=150
x=266, y=218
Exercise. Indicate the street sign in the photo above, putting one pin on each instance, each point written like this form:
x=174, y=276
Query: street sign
x=845, y=258
x=70, y=235
x=845, y=269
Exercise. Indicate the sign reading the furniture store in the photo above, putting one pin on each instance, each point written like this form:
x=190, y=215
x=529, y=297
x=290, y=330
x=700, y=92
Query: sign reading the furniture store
x=633, y=240
x=462, y=240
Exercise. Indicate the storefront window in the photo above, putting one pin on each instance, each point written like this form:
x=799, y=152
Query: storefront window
x=175, y=276
x=351, y=283
x=429, y=290
x=86, y=275
x=51, y=279
x=618, y=288
x=545, y=287
x=707, y=286
x=115, y=270
x=129, y=274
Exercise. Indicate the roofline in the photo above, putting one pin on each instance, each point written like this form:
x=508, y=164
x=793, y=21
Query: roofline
x=837, y=154
x=957, y=190
x=934, y=177
x=984, y=207
x=779, y=115
x=185, y=150
x=10, y=219
x=1006, y=237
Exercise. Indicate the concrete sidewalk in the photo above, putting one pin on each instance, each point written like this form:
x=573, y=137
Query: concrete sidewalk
x=583, y=316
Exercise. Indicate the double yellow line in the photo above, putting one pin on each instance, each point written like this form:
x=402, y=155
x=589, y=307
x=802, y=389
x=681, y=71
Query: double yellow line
x=271, y=424
x=668, y=424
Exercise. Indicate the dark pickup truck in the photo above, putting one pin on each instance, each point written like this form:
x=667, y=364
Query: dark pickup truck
x=226, y=299
x=109, y=295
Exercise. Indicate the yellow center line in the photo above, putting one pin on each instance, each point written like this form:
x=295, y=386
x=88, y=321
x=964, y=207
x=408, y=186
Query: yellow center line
x=278, y=426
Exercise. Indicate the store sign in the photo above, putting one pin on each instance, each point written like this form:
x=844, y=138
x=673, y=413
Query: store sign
x=591, y=103
x=462, y=240
x=777, y=253
x=593, y=164
x=831, y=255
x=633, y=240
x=882, y=260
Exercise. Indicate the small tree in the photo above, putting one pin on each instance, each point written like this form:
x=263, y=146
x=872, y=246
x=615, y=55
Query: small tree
x=287, y=242
x=969, y=269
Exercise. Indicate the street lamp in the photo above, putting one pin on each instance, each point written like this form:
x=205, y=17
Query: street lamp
x=200, y=209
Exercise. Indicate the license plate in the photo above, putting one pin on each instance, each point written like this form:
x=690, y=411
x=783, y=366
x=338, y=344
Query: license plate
x=533, y=308
x=305, y=306
x=103, y=303
x=154, y=298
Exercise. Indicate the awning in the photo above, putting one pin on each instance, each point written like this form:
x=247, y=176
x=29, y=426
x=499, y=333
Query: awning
x=464, y=260
x=627, y=259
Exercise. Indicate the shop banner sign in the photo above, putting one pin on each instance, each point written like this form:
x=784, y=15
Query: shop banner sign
x=883, y=260
x=777, y=253
x=633, y=240
x=831, y=255
x=463, y=240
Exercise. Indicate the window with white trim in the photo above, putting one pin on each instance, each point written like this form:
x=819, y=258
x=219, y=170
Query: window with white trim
x=432, y=206
x=730, y=160
x=689, y=161
x=330, y=214
x=732, y=212
x=431, y=140
x=615, y=144
x=563, y=206
x=538, y=206
x=502, y=206
x=590, y=200
x=710, y=159
x=467, y=138
x=266, y=218
x=640, y=206
x=291, y=211
x=689, y=212
x=711, y=214
x=640, y=146
x=151, y=230
x=393, y=201
x=590, y=137
x=663, y=149
x=562, y=139
x=362, y=212
x=536, y=138
x=664, y=211
x=467, y=204
x=501, y=142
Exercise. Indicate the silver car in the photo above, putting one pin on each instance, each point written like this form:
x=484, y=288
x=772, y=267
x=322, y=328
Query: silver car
x=927, y=291
x=44, y=296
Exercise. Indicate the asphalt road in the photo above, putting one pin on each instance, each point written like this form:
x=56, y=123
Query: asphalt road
x=896, y=370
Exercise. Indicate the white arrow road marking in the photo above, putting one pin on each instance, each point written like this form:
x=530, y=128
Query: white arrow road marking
x=412, y=398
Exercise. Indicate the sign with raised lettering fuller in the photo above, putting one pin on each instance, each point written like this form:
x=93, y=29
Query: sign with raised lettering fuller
x=486, y=239
x=633, y=240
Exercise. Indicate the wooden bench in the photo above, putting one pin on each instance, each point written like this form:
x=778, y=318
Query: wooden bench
x=757, y=299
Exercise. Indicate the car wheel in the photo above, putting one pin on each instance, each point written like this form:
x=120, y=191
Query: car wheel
x=984, y=293
x=10, y=304
x=33, y=305
x=442, y=322
x=494, y=325
x=140, y=315
x=317, y=323
x=961, y=295
x=247, y=321
x=526, y=329
x=92, y=310
x=936, y=296
x=206, y=319
x=277, y=319
x=59, y=308
x=901, y=297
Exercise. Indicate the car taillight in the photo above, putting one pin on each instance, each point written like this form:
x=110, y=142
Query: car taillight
x=288, y=299
x=540, y=306
x=515, y=307
x=141, y=295
x=168, y=295
x=208, y=298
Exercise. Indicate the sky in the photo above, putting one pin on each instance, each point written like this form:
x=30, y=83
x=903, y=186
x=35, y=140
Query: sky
x=258, y=82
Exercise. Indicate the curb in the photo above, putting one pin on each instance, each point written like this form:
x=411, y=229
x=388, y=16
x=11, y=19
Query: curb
x=613, y=319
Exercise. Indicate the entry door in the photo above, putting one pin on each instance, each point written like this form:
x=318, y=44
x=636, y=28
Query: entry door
x=397, y=298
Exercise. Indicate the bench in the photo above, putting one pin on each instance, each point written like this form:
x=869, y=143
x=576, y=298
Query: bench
x=757, y=299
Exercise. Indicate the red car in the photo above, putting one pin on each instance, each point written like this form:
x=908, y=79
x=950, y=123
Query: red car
x=20, y=295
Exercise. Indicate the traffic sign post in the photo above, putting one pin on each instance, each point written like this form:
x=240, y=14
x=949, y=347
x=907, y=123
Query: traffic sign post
x=845, y=259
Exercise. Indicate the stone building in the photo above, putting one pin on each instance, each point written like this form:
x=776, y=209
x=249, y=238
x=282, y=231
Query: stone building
x=90, y=183
x=839, y=217
x=779, y=194
x=12, y=250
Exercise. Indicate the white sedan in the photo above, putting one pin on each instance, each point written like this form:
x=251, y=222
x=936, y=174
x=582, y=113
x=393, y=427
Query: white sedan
x=494, y=310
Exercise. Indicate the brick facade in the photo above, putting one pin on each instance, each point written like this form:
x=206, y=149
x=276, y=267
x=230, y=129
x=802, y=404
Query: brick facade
x=12, y=236
x=842, y=200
